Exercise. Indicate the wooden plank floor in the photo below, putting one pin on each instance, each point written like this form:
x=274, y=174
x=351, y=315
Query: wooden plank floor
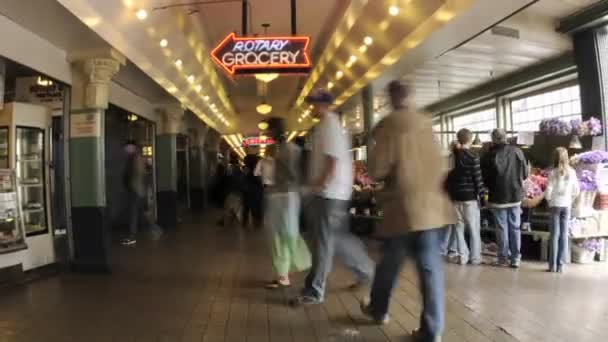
x=204, y=283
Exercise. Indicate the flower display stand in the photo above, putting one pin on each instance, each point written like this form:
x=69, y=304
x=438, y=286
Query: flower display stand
x=583, y=205
x=580, y=255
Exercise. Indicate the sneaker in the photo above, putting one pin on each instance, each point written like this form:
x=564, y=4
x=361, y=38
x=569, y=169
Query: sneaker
x=305, y=300
x=515, y=264
x=463, y=260
x=277, y=284
x=128, y=242
x=418, y=336
x=500, y=263
x=366, y=310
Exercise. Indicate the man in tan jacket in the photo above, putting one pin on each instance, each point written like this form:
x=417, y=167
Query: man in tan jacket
x=405, y=156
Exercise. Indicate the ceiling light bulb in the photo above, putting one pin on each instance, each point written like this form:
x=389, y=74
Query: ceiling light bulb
x=206, y=98
x=330, y=85
x=368, y=40
x=263, y=108
x=352, y=59
x=178, y=63
x=266, y=78
x=198, y=88
x=315, y=120
x=263, y=125
x=393, y=10
x=363, y=48
x=300, y=120
x=339, y=74
x=191, y=78
x=164, y=43
x=263, y=137
x=212, y=105
x=141, y=14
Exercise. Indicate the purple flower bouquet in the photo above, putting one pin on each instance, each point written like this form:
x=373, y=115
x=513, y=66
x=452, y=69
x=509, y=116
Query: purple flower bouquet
x=579, y=127
x=594, y=126
x=591, y=157
x=555, y=127
x=591, y=245
x=586, y=180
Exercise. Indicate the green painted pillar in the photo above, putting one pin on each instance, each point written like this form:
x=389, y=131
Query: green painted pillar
x=90, y=229
x=166, y=166
x=367, y=101
x=198, y=186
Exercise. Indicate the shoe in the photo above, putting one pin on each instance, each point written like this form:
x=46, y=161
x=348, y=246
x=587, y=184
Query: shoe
x=550, y=270
x=277, y=284
x=500, y=263
x=560, y=269
x=462, y=260
x=367, y=311
x=515, y=264
x=305, y=300
x=128, y=242
x=418, y=336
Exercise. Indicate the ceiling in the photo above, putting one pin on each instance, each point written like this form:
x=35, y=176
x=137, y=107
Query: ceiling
x=475, y=59
x=55, y=24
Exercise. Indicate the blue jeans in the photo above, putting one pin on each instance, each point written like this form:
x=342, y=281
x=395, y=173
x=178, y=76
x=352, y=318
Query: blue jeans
x=559, y=237
x=425, y=248
x=508, y=233
x=331, y=235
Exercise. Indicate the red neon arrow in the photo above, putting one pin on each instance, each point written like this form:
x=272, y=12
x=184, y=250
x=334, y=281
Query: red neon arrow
x=232, y=38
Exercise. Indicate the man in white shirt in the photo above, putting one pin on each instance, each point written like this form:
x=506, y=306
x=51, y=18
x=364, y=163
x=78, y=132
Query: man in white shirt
x=265, y=170
x=331, y=181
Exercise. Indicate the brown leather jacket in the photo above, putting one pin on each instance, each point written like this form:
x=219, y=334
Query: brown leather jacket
x=405, y=156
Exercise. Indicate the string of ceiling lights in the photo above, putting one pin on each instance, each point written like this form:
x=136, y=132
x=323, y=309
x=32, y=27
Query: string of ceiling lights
x=141, y=14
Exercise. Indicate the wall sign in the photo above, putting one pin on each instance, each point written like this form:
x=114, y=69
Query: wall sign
x=85, y=125
x=257, y=141
x=260, y=55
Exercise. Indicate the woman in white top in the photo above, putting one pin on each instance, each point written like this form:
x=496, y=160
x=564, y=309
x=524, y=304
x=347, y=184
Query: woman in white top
x=562, y=189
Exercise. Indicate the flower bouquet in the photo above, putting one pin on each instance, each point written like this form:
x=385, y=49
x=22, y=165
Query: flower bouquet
x=589, y=158
x=534, y=188
x=577, y=127
x=555, y=127
x=583, y=252
x=583, y=205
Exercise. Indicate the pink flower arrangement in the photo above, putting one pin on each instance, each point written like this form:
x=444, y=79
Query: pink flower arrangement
x=536, y=184
x=361, y=177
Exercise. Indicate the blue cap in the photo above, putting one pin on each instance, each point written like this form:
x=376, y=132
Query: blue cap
x=319, y=96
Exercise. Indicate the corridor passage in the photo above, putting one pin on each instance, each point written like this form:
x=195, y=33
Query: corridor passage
x=205, y=283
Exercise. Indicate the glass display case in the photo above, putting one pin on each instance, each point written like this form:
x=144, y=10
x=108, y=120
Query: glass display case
x=30, y=163
x=4, y=155
x=11, y=226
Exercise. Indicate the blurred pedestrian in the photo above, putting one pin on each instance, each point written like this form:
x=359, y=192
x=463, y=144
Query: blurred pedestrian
x=289, y=251
x=504, y=169
x=405, y=155
x=331, y=181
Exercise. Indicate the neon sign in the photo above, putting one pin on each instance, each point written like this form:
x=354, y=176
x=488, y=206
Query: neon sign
x=258, y=55
x=257, y=141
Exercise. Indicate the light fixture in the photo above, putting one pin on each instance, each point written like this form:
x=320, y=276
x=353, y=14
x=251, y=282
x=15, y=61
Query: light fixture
x=477, y=141
x=212, y=106
x=393, y=10
x=141, y=14
x=266, y=78
x=339, y=74
x=164, y=43
x=575, y=143
x=352, y=59
x=206, y=98
x=191, y=78
x=330, y=85
x=368, y=40
x=132, y=117
x=198, y=88
x=263, y=125
x=263, y=108
x=44, y=82
x=363, y=48
x=300, y=120
x=263, y=137
x=315, y=120
x=178, y=63
x=262, y=146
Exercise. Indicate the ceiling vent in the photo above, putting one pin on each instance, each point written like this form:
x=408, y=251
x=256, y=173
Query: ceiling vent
x=505, y=32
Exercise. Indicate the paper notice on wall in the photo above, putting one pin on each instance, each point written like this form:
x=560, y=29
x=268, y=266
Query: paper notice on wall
x=86, y=125
x=525, y=138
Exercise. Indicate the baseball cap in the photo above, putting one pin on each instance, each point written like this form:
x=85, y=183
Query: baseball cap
x=319, y=96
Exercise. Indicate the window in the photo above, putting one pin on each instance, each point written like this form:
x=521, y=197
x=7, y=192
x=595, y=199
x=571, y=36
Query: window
x=562, y=103
x=482, y=120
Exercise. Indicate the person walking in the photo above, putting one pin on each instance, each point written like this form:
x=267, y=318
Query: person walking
x=465, y=185
x=289, y=250
x=504, y=169
x=405, y=156
x=331, y=181
x=133, y=178
x=562, y=189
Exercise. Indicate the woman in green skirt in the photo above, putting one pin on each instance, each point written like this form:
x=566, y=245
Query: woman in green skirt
x=289, y=251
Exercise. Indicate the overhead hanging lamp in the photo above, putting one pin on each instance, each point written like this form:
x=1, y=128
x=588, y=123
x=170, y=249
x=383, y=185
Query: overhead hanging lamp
x=477, y=141
x=263, y=125
x=266, y=78
x=575, y=143
x=263, y=108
